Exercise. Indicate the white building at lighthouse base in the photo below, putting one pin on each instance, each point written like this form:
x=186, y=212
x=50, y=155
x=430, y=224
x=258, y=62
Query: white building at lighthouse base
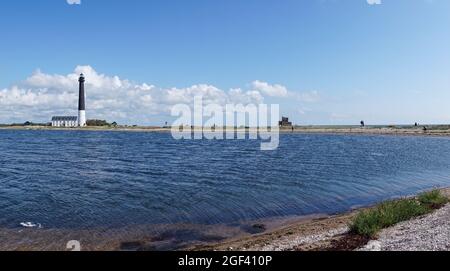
x=65, y=121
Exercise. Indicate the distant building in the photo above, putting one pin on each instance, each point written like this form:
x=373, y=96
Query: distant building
x=285, y=122
x=69, y=121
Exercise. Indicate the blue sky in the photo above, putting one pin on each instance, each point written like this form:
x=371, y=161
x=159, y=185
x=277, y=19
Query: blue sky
x=340, y=60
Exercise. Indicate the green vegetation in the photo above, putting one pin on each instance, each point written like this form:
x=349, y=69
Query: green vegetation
x=26, y=124
x=100, y=123
x=433, y=199
x=97, y=123
x=368, y=223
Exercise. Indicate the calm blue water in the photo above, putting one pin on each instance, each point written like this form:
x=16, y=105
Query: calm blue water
x=72, y=179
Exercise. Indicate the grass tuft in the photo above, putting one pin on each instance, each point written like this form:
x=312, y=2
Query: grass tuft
x=433, y=199
x=368, y=223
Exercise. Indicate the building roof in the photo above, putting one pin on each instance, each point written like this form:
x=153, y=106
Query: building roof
x=64, y=118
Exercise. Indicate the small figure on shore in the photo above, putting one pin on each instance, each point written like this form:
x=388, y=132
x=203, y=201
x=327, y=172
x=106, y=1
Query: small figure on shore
x=363, y=124
x=425, y=128
x=416, y=124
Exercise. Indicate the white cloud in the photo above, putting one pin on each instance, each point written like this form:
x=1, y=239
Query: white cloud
x=74, y=2
x=374, y=2
x=42, y=95
x=270, y=90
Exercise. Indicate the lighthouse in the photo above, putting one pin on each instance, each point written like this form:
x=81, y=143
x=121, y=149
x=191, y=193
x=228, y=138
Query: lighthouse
x=81, y=103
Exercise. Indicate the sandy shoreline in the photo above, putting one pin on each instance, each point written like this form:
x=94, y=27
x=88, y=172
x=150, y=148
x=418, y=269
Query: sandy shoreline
x=305, y=235
x=155, y=237
x=433, y=130
x=323, y=234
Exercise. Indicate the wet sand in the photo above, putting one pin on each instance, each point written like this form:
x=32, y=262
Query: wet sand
x=137, y=237
x=306, y=235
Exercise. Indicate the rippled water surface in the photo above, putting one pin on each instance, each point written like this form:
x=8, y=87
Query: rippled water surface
x=78, y=179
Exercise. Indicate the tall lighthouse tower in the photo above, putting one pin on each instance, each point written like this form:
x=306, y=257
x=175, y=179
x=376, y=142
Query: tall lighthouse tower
x=81, y=103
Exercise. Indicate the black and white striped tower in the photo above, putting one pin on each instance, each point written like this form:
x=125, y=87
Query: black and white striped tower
x=81, y=103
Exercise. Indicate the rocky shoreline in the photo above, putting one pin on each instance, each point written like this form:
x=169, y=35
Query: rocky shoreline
x=429, y=232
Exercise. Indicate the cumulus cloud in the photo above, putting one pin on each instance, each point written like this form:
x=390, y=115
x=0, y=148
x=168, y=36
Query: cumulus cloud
x=270, y=90
x=374, y=2
x=74, y=2
x=43, y=95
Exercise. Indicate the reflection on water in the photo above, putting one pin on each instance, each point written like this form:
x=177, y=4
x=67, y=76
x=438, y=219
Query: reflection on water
x=77, y=180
